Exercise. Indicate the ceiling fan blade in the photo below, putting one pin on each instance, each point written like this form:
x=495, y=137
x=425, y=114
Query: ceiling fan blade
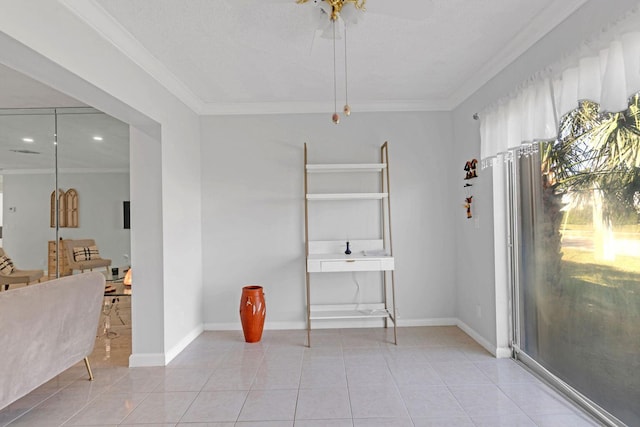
x=351, y=15
x=319, y=18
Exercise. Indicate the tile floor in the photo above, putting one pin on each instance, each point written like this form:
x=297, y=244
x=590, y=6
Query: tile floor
x=436, y=376
x=114, y=348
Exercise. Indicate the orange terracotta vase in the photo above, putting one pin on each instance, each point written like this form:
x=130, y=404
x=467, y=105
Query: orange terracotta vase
x=252, y=312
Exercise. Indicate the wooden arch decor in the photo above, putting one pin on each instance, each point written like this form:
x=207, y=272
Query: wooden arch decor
x=67, y=209
x=71, y=206
x=61, y=209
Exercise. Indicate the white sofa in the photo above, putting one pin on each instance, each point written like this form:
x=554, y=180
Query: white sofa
x=45, y=329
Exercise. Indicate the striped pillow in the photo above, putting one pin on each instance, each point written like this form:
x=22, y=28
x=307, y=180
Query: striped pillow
x=86, y=253
x=6, y=265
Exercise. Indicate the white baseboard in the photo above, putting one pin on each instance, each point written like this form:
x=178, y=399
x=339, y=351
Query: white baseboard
x=444, y=321
x=334, y=324
x=498, y=352
x=236, y=326
x=143, y=360
x=285, y=325
x=184, y=342
x=139, y=360
x=503, y=352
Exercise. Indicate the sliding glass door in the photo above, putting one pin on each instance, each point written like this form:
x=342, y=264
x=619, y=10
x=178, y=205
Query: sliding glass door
x=576, y=262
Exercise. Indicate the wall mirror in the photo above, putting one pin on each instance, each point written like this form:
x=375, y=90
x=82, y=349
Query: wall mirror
x=50, y=150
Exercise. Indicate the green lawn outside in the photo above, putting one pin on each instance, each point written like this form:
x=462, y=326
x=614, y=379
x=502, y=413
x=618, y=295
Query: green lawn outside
x=586, y=261
x=589, y=329
x=626, y=228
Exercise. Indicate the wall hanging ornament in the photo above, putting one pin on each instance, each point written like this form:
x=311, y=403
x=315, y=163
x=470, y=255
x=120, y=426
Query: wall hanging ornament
x=67, y=204
x=253, y=311
x=468, y=197
x=467, y=206
x=470, y=168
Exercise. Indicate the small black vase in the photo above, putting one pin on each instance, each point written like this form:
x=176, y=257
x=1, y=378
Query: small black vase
x=348, y=251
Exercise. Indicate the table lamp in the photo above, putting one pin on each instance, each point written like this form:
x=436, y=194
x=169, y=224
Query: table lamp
x=127, y=278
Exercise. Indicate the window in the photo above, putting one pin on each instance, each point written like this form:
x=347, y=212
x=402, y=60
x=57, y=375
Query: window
x=577, y=256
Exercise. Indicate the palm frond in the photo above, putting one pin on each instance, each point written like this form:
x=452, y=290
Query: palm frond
x=597, y=150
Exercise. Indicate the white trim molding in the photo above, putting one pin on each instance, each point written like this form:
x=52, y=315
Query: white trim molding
x=143, y=360
x=265, y=108
x=546, y=21
x=139, y=360
x=443, y=321
x=184, y=342
x=94, y=15
x=499, y=352
x=336, y=324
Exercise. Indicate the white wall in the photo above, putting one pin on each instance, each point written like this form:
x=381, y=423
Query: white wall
x=59, y=49
x=146, y=233
x=27, y=230
x=477, y=288
x=253, y=217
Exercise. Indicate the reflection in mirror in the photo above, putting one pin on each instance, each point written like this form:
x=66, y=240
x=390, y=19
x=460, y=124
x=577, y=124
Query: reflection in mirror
x=93, y=171
x=27, y=169
x=92, y=159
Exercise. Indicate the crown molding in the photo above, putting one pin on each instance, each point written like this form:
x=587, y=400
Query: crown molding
x=94, y=15
x=257, y=108
x=539, y=27
x=102, y=22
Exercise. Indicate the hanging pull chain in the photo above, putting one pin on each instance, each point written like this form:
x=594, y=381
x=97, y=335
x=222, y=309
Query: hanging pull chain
x=347, y=109
x=335, y=117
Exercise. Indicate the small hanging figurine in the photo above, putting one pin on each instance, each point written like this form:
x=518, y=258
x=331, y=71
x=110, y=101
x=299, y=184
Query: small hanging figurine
x=467, y=205
x=470, y=168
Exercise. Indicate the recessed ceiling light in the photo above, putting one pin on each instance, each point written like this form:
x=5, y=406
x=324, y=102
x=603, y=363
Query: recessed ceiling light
x=97, y=138
x=27, y=139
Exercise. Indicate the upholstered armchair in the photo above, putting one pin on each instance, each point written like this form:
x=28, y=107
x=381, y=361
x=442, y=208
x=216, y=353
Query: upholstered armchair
x=84, y=255
x=10, y=275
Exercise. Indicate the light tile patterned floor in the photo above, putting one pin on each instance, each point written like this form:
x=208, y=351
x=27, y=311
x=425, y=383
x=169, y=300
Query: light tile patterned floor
x=436, y=376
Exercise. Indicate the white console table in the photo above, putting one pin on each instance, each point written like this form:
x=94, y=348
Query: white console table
x=327, y=263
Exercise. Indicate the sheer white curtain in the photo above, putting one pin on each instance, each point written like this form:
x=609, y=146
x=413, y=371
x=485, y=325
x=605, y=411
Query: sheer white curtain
x=605, y=69
x=608, y=73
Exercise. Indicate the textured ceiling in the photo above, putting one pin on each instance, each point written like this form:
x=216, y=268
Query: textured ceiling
x=264, y=55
